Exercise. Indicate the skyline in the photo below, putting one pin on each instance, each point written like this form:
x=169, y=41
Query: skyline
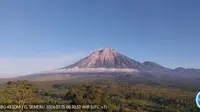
x=42, y=35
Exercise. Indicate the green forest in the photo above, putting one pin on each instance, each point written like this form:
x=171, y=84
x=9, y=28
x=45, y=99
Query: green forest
x=119, y=97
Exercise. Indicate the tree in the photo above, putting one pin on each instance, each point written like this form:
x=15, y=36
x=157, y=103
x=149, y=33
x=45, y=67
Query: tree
x=21, y=92
x=89, y=95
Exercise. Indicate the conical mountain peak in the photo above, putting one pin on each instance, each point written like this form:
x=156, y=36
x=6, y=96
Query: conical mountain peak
x=105, y=58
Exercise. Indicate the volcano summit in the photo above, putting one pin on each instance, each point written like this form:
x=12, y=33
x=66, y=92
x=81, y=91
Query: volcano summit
x=105, y=58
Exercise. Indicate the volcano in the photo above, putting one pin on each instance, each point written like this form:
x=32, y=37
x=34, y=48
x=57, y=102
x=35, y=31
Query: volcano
x=108, y=62
x=106, y=58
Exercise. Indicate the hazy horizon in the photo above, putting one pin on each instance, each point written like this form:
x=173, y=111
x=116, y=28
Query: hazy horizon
x=42, y=35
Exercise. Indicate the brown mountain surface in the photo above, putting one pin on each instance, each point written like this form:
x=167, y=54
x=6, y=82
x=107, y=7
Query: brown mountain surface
x=106, y=58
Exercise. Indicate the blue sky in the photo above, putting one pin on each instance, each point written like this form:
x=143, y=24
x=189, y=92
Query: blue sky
x=45, y=34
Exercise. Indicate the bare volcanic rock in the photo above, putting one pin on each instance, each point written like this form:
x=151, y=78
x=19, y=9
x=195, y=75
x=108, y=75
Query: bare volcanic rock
x=106, y=58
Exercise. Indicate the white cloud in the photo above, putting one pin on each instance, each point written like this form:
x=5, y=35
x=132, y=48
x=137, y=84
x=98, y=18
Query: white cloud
x=12, y=67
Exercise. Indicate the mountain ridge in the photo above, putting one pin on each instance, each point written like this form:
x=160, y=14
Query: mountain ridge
x=110, y=58
x=96, y=65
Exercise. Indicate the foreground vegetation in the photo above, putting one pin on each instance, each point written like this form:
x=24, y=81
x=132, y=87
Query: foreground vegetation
x=119, y=97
